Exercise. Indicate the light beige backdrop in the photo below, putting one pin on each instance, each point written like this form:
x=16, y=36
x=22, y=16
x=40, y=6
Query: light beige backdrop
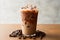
x=49, y=11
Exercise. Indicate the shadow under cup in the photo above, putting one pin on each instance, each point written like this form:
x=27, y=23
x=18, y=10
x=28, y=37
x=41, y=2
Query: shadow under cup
x=29, y=21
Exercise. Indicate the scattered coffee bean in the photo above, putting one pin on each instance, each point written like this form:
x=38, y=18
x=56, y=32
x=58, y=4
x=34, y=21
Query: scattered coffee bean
x=20, y=36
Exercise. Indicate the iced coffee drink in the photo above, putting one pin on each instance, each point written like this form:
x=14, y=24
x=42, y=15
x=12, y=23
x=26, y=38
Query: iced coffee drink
x=29, y=19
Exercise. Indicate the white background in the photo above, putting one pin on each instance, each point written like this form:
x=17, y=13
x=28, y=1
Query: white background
x=49, y=11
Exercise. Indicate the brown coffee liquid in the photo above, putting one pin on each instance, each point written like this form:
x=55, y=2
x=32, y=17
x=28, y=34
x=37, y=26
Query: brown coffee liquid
x=29, y=20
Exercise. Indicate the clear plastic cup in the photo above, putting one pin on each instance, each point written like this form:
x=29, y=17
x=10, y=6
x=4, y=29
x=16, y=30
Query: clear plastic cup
x=29, y=20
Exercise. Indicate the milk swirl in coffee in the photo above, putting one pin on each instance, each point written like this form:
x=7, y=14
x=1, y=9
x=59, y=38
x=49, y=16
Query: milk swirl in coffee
x=29, y=19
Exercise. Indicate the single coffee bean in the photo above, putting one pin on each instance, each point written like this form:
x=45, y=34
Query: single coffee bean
x=20, y=36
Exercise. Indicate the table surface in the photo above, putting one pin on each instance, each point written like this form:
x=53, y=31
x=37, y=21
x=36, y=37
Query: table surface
x=52, y=31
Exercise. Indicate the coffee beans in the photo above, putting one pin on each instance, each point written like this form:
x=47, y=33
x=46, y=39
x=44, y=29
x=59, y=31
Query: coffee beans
x=18, y=33
x=40, y=34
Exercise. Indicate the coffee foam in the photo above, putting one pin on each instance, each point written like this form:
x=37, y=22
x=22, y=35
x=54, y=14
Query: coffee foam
x=29, y=8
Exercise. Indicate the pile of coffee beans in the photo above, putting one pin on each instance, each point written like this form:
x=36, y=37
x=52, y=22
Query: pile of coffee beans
x=18, y=33
x=40, y=34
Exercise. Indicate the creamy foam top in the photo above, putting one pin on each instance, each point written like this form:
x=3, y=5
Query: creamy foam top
x=29, y=8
